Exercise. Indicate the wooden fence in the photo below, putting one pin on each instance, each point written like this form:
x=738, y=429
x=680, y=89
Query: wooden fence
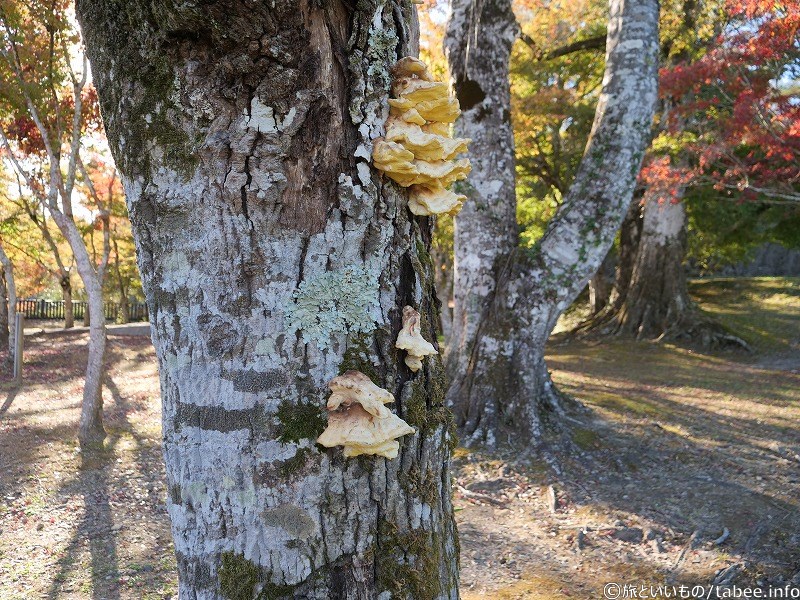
x=34, y=308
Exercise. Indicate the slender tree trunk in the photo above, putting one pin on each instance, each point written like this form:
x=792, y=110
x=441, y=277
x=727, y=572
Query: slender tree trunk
x=124, y=308
x=10, y=309
x=478, y=44
x=503, y=393
x=444, y=291
x=66, y=295
x=273, y=257
x=90, y=429
x=4, y=337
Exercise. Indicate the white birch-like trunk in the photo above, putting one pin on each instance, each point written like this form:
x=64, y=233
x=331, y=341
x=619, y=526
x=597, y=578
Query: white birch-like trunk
x=503, y=393
x=90, y=428
x=274, y=257
x=11, y=302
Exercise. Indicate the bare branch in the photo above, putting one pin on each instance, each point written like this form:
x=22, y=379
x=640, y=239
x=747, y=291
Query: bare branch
x=540, y=55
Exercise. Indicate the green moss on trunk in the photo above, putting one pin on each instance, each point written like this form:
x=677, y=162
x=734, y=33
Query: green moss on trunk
x=241, y=579
x=408, y=563
x=299, y=421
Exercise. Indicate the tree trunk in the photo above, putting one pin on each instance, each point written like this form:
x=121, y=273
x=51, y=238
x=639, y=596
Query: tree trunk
x=503, y=393
x=478, y=45
x=602, y=283
x=4, y=337
x=651, y=292
x=629, y=235
x=657, y=296
x=90, y=429
x=66, y=295
x=444, y=291
x=10, y=309
x=124, y=308
x=273, y=258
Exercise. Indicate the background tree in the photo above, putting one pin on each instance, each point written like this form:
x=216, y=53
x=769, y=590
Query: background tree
x=504, y=389
x=57, y=258
x=273, y=257
x=42, y=91
x=728, y=131
x=8, y=323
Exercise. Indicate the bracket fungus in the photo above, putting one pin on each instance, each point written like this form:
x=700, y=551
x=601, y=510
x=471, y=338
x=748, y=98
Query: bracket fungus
x=358, y=419
x=418, y=151
x=410, y=340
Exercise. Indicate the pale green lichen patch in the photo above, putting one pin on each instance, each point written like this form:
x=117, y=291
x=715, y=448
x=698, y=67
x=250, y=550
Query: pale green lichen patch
x=341, y=301
x=292, y=519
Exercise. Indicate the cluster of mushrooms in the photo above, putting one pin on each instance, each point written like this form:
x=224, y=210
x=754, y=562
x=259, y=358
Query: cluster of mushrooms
x=419, y=153
x=357, y=417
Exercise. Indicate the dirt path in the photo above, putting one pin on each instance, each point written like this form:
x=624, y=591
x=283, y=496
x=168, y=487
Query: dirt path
x=662, y=469
x=73, y=527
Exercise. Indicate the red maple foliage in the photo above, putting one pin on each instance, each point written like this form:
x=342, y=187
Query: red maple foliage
x=735, y=111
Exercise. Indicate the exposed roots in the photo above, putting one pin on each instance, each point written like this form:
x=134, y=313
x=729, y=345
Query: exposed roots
x=692, y=328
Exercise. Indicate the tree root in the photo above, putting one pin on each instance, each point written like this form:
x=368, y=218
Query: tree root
x=693, y=328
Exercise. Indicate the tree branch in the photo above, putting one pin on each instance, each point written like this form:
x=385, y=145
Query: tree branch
x=540, y=55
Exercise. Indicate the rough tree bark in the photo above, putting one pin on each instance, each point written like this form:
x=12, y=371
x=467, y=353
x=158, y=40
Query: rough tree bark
x=657, y=294
x=478, y=43
x=503, y=392
x=651, y=294
x=274, y=257
x=602, y=283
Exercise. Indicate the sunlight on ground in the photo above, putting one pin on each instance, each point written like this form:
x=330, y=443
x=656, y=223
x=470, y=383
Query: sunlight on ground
x=673, y=442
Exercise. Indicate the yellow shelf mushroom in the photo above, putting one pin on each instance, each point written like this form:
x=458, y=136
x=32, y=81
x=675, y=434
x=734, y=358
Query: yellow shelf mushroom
x=358, y=419
x=418, y=149
x=410, y=340
x=438, y=200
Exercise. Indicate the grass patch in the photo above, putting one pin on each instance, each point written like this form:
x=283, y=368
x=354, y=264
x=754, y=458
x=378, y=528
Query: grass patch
x=764, y=311
x=586, y=439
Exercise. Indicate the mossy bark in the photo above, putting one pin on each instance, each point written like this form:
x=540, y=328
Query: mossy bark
x=501, y=390
x=273, y=255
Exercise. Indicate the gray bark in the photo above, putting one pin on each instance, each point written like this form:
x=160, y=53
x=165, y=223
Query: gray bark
x=66, y=295
x=652, y=295
x=657, y=296
x=478, y=44
x=10, y=308
x=273, y=257
x=503, y=393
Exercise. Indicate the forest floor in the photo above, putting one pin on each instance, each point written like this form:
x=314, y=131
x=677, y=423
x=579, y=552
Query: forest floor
x=673, y=448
